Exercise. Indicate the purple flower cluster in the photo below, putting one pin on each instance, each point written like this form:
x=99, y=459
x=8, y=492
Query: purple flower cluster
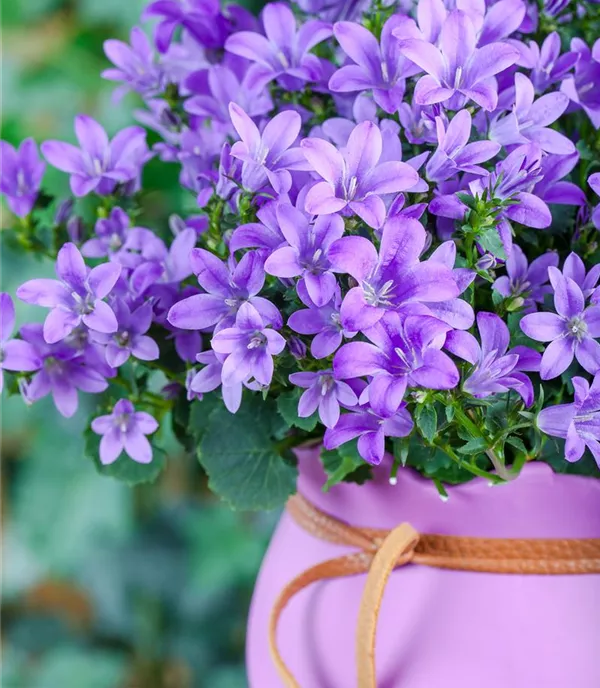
x=368, y=187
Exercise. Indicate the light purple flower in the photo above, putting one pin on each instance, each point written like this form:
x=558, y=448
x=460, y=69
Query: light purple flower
x=546, y=63
x=269, y=155
x=381, y=68
x=454, y=152
x=354, y=178
x=21, y=176
x=15, y=354
x=306, y=254
x=403, y=353
x=227, y=290
x=76, y=297
x=552, y=188
x=249, y=347
x=99, y=165
x=130, y=339
x=571, y=331
x=264, y=234
x=209, y=378
x=135, y=65
x=574, y=268
x=391, y=278
x=371, y=431
x=324, y=392
x=529, y=282
x=582, y=87
x=594, y=182
x=65, y=370
x=322, y=322
x=529, y=120
x=282, y=54
x=125, y=429
x=577, y=423
x=497, y=368
x=459, y=71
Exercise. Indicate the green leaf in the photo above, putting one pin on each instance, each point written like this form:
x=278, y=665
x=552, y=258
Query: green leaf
x=449, y=413
x=124, y=468
x=287, y=405
x=344, y=464
x=517, y=443
x=427, y=422
x=490, y=241
x=476, y=445
x=241, y=457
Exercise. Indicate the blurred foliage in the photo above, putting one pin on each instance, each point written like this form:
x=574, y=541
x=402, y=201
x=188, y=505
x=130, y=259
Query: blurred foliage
x=104, y=586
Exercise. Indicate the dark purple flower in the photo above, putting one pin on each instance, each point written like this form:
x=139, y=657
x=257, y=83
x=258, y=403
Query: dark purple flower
x=65, y=369
x=76, y=297
x=249, y=347
x=381, y=68
x=270, y=155
x=594, y=182
x=459, y=71
x=577, y=423
x=582, y=87
x=497, y=369
x=99, y=165
x=454, y=152
x=528, y=282
x=130, y=339
x=325, y=393
x=529, y=120
x=391, y=278
x=21, y=176
x=371, y=431
x=135, y=65
x=209, y=379
x=125, y=429
x=282, y=54
x=403, y=353
x=571, y=331
x=306, y=254
x=15, y=354
x=227, y=290
x=354, y=178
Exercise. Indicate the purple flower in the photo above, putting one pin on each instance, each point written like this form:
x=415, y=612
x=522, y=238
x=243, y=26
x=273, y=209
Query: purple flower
x=402, y=354
x=99, y=165
x=454, y=153
x=551, y=188
x=497, y=369
x=21, y=176
x=135, y=65
x=529, y=282
x=268, y=155
x=529, y=120
x=209, y=379
x=371, y=431
x=227, y=290
x=355, y=179
x=571, y=331
x=264, y=234
x=577, y=423
x=391, y=278
x=594, y=182
x=307, y=252
x=582, y=87
x=65, y=369
x=15, y=354
x=323, y=322
x=130, y=339
x=125, y=429
x=574, y=268
x=458, y=71
x=380, y=68
x=249, y=347
x=546, y=63
x=115, y=239
x=76, y=297
x=324, y=392
x=284, y=53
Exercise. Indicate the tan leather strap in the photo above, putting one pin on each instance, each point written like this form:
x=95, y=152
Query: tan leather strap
x=380, y=552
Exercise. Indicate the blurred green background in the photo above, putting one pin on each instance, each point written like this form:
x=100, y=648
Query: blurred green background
x=104, y=586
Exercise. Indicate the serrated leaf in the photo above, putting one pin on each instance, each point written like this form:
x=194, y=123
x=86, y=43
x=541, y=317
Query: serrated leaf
x=239, y=453
x=125, y=468
x=287, y=405
x=490, y=241
x=427, y=422
x=476, y=445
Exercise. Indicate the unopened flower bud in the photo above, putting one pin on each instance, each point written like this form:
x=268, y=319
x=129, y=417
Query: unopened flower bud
x=515, y=304
x=63, y=212
x=486, y=262
x=297, y=348
x=75, y=229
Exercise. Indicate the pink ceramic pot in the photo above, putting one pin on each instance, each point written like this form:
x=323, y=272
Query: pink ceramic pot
x=437, y=628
